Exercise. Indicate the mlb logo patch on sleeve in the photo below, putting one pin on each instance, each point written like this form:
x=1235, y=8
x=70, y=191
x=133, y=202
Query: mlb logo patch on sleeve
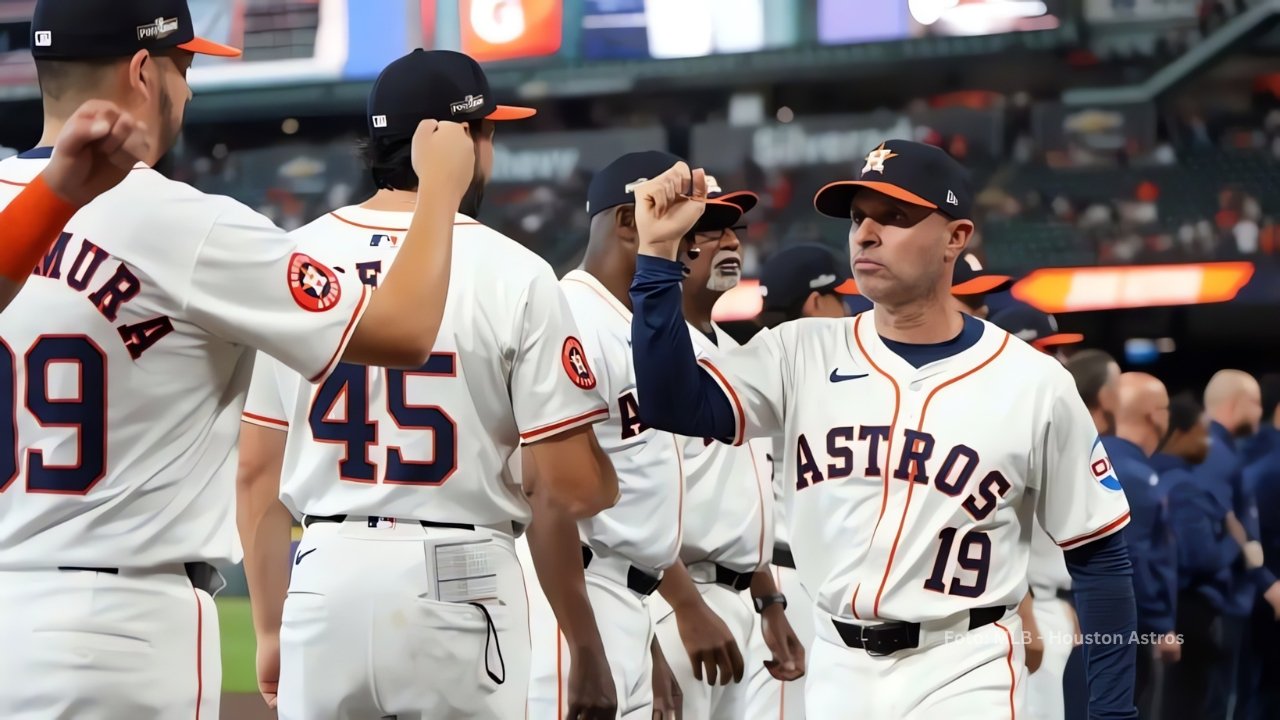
x=574, y=359
x=314, y=286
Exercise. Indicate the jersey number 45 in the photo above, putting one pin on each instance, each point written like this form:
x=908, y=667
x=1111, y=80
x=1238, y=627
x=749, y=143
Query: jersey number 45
x=348, y=388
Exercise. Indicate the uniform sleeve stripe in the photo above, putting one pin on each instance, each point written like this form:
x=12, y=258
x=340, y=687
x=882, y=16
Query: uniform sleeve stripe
x=740, y=418
x=556, y=428
x=1101, y=532
x=346, y=335
x=10, y=182
x=263, y=420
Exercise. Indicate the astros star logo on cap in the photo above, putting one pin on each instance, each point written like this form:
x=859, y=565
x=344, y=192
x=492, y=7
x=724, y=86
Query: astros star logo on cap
x=876, y=158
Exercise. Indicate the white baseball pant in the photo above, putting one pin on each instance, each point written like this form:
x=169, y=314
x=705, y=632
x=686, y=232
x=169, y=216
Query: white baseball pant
x=978, y=675
x=95, y=645
x=1044, y=686
x=768, y=698
x=703, y=701
x=626, y=632
x=391, y=618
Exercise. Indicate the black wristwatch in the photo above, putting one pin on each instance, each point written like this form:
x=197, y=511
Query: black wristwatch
x=764, y=602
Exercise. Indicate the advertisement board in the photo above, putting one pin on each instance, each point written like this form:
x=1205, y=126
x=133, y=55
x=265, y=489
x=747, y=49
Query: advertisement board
x=658, y=29
x=510, y=29
x=845, y=22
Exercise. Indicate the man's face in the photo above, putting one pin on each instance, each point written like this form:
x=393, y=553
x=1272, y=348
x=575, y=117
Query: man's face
x=718, y=265
x=898, y=249
x=1249, y=412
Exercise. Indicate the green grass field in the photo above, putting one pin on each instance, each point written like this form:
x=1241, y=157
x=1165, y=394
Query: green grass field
x=238, y=647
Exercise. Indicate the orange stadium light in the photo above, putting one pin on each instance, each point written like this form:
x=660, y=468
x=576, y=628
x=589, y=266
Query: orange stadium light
x=741, y=303
x=1058, y=290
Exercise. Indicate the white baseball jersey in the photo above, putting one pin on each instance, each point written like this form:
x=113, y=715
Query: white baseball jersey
x=434, y=443
x=124, y=367
x=646, y=526
x=912, y=489
x=728, y=499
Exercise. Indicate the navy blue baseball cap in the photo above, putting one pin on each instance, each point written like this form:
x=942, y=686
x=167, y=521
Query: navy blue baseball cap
x=790, y=274
x=969, y=277
x=92, y=29
x=1039, y=329
x=614, y=185
x=911, y=172
x=433, y=85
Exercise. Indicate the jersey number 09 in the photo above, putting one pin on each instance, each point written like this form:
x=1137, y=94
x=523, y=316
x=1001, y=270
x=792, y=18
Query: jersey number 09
x=357, y=432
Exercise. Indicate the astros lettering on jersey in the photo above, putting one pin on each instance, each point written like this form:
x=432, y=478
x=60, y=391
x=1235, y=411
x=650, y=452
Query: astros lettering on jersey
x=508, y=369
x=901, y=495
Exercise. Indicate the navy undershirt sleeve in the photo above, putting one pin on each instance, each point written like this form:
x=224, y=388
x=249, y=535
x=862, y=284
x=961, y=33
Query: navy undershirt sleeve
x=675, y=394
x=1102, y=583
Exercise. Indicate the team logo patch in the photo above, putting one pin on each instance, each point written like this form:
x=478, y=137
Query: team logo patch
x=314, y=286
x=574, y=359
x=1100, y=466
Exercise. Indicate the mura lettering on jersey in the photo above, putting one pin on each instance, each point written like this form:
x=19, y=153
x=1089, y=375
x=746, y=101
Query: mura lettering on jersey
x=109, y=284
x=862, y=450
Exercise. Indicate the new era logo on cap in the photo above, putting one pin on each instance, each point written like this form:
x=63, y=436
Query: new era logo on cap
x=379, y=121
x=951, y=198
x=44, y=38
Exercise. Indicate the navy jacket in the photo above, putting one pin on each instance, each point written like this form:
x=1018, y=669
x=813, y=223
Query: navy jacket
x=1152, y=550
x=1198, y=513
x=1223, y=474
x=1262, y=476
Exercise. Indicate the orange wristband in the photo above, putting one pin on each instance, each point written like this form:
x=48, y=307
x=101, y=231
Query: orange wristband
x=28, y=227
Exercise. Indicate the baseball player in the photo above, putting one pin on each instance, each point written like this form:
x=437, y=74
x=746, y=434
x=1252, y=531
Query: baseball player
x=627, y=549
x=1039, y=329
x=910, y=513
x=98, y=146
x=728, y=532
x=406, y=597
x=797, y=281
x=124, y=365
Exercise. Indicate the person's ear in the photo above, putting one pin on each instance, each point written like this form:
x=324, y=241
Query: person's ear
x=959, y=233
x=141, y=69
x=624, y=220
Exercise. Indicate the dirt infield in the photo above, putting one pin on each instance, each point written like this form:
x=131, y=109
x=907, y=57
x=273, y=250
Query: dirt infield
x=239, y=706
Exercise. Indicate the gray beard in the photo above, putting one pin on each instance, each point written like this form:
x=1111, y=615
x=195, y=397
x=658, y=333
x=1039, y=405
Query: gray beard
x=719, y=282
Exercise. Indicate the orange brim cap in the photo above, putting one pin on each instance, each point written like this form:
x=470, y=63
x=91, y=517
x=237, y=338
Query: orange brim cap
x=982, y=285
x=836, y=199
x=1057, y=339
x=510, y=112
x=848, y=287
x=744, y=199
x=200, y=46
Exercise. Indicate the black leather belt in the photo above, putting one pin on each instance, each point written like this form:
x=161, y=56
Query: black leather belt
x=638, y=581
x=310, y=520
x=730, y=578
x=889, y=638
x=201, y=574
x=782, y=557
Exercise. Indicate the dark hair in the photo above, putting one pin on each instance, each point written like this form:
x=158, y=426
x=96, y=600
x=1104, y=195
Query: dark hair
x=390, y=163
x=1270, y=384
x=390, y=159
x=1184, y=412
x=1089, y=368
x=59, y=78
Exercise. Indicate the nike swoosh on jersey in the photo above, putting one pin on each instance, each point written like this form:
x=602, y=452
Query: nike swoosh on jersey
x=837, y=377
x=298, y=560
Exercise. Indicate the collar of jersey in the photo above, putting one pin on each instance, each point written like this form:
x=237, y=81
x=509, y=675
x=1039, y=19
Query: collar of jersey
x=37, y=153
x=897, y=366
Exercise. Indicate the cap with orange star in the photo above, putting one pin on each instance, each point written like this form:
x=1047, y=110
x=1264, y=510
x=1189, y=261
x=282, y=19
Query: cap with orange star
x=908, y=171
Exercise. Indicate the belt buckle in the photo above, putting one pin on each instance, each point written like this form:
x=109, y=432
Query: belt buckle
x=866, y=636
